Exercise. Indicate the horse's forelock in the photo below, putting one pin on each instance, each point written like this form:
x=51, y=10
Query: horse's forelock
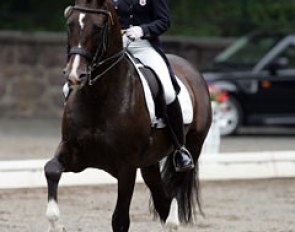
x=98, y=2
x=90, y=2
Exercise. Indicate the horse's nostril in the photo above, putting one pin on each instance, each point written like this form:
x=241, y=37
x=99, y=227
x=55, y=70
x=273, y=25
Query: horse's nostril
x=74, y=80
x=82, y=77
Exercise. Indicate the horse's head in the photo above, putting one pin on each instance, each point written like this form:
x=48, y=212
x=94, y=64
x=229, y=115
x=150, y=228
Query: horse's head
x=88, y=23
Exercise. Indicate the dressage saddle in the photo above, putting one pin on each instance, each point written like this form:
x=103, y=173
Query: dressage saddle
x=154, y=84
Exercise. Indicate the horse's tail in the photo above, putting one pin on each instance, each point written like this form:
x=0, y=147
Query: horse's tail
x=184, y=186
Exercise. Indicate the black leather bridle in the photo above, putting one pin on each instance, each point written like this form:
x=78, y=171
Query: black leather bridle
x=95, y=59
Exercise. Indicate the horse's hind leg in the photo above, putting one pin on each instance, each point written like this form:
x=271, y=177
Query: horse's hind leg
x=161, y=200
x=126, y=181
x=194, y=142
x=53, y=170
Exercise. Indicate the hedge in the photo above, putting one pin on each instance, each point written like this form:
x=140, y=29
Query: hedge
x=189, y=17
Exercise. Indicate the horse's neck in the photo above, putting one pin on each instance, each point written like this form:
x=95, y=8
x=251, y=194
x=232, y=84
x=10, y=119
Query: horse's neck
x=114, y=81
x=111, y=87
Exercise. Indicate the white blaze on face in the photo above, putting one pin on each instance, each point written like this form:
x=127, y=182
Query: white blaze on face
x=81, y=20
x=76, y=62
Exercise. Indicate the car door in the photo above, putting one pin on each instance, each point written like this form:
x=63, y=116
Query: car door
x=276, y=85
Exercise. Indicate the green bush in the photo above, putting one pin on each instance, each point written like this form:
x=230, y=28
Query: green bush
x=230, y=17
x=189, y=17
x=32, y=15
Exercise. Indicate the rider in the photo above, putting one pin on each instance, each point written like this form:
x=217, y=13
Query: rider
x=143, y=22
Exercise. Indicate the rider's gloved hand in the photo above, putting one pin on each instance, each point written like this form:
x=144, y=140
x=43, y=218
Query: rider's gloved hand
x=134, y=33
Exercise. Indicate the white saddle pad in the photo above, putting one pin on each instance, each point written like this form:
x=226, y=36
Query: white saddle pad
x=183, y=97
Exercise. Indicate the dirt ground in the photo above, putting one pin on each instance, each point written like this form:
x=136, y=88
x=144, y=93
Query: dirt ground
x=230, y=206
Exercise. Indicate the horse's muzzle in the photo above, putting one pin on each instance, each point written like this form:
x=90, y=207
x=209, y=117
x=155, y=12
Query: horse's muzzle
x=78, y=78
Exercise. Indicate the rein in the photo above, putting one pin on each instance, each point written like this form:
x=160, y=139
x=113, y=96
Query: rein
x=118, y=56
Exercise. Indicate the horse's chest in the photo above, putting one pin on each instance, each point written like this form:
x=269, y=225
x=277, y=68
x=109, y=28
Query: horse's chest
x=92, y=137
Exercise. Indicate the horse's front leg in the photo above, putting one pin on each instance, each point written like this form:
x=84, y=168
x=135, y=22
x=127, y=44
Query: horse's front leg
x=53, y=170
x=126, y=181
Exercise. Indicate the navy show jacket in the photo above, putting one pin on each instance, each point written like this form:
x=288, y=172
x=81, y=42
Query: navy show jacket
x=151, y=15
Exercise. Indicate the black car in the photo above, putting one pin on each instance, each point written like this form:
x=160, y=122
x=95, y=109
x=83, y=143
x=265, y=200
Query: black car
x=257, y=72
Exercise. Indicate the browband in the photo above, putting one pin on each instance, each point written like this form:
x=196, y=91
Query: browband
x=92, y=11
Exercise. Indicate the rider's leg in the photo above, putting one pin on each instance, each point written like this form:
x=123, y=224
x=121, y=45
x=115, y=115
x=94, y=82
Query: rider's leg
x=150, y=57
x=182, y=157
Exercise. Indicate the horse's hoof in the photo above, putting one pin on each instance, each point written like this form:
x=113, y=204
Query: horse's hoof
x=57, y=229
x=171, y=227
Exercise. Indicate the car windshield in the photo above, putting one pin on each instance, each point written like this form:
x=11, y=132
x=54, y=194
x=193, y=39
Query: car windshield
x=246, y=51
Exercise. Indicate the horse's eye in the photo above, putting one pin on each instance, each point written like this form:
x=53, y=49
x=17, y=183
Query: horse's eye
x=70, y=24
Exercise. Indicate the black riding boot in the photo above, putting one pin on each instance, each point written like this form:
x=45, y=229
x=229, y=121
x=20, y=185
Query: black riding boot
x=182, y=158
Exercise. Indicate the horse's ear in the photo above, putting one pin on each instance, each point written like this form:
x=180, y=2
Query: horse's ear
x=68, y=11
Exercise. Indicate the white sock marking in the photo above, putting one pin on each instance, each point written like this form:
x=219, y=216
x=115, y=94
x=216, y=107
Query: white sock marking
x=172, y=221
x=52, y=212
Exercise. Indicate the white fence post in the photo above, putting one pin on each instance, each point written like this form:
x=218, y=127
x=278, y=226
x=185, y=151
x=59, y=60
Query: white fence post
x=212, y=142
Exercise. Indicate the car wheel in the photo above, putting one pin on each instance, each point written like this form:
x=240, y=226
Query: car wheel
x=230, y=116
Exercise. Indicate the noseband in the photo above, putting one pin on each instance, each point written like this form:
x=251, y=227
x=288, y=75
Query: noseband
x=95, y=59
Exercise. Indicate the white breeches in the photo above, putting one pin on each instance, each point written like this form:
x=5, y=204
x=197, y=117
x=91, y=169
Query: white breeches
x=143, y=50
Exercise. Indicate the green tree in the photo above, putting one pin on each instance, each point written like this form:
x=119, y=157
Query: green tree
x=32, y=15
x=189, y=17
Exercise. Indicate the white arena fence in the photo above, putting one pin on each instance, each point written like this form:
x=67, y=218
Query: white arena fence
x=213, y=166
x=225, y=166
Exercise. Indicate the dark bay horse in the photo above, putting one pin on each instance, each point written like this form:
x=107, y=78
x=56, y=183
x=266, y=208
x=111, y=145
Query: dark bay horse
x=106, y=124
